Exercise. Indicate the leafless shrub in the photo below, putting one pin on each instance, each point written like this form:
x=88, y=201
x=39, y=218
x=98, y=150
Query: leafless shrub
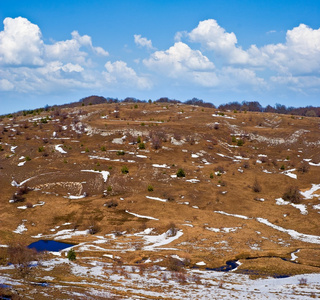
x=246, y=165
x=177, y=136
x=156, y=142
x=93, y=226
x=137, y=246
x=18, y=196
x=220, y=284
x=23, y=190
x=216, y=126
x=180, y=277
x=111, y=203
x=195, y=278
x=219, y=169
x=174, y=264
x=292, y=194
x=304, y=168
x=169, y=197
x=263, y=159
x=256, y=186
x=29, y=205
x=22, y=257
x=303, y=281
x=142, y=269
x=190, y=139
x=172, y=230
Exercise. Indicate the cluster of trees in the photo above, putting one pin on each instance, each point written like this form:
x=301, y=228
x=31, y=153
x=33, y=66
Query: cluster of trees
x=308, y=111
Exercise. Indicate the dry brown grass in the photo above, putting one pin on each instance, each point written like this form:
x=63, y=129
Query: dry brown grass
x=231, y=192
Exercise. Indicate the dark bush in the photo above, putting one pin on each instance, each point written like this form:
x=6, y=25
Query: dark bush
x=292, y=194
x=142, y=146
x=124, y=170
x=181, y=173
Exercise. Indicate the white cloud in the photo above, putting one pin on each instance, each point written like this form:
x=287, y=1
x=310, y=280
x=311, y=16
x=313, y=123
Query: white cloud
x=142, y=41
x=214, y=37
x=300, y=54
x=20, y=43
x=6, y=85
x=178, y=60
x=118, y=73
x=30, y=65
x=69, y=50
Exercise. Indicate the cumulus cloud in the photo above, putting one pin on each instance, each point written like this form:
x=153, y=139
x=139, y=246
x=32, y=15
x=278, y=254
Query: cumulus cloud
x=69, y=50
x=142, y=41
x=118, y=73
x=28, y=64
x=300, y=54
x=178, y=60
x=20, y=43
x=214, y=37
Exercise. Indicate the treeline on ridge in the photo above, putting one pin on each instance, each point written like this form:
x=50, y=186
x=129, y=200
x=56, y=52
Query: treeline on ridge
x=308, y=111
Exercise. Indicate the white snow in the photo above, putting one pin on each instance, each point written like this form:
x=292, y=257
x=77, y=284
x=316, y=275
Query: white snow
x=62, y=234
x=201, y=263
x=316, y=206
x=13, y=149
x=119, y=140
x=223, y=229
x=176, y=142
x=309, y=194
x=194, y=155
x=307, y=238
x=194, y=180
x=141, y=156
x=226, y=117
x=232, y=215
x=266, y=171
x=301, y=207
x=160, y=166
x=105, y=174
x=293, y=256
x=156, y=198
x=141, y=216
x=75, y=197
x=58, y=148
x=290, y=174
x=20, y=164
x=156, y=241
x=21, y=228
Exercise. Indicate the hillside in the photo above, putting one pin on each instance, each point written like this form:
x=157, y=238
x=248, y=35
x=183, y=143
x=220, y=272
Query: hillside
x=104, y=177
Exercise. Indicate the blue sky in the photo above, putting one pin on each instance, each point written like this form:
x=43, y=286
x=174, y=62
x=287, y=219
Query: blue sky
x=54, y=52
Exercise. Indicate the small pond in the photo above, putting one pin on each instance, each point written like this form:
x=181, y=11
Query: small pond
x=48, y=245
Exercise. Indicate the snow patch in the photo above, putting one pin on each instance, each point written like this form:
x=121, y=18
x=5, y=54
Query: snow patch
x=59, y=149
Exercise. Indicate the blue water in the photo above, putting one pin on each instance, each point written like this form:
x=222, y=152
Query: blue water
x=47, y=245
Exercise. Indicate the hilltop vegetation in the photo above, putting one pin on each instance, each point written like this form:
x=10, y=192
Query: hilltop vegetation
x=142, y=187
x=308, y=111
